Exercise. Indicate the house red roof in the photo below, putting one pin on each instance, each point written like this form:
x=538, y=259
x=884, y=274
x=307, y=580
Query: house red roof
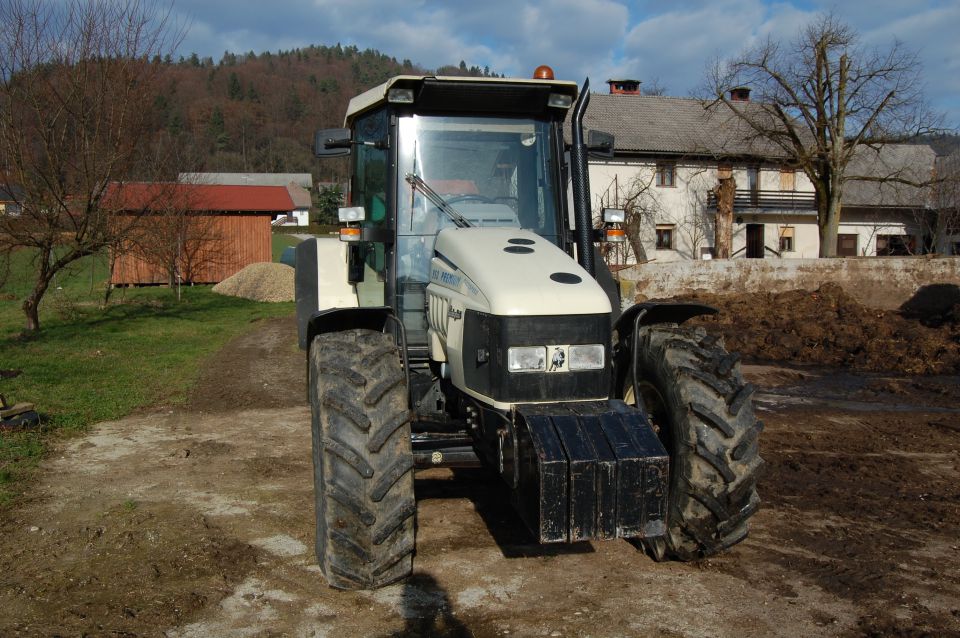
x=197, y=197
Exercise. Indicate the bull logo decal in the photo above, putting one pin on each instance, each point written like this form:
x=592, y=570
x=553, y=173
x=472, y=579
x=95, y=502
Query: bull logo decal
x=556, y=363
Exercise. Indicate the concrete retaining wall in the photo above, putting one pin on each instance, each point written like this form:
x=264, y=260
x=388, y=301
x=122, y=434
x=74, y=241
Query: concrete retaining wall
x=882, y=282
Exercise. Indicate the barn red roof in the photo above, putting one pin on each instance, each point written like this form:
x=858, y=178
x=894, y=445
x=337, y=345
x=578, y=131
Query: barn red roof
x=197, y=197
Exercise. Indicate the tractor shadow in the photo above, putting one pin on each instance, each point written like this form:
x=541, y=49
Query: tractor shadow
x=933, y=305
x=427, y=609
x=491, y=500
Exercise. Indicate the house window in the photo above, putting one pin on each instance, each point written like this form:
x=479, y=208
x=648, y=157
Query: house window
x=788, y=179
x=665, y=236
x=786, y=239
x=895, y=245
x=847, y=245
x=753, y=184
x=755, y=247
x=666, y=174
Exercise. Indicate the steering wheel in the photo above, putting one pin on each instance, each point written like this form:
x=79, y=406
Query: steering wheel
x=468, y=197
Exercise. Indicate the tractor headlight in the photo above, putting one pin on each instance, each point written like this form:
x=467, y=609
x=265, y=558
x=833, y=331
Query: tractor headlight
x=527, y=359
x=586, y=357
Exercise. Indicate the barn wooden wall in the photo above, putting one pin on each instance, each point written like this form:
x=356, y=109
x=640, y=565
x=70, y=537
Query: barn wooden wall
x=237, y=240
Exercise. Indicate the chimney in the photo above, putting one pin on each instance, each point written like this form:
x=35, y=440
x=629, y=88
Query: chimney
x=740, y=94
x=624, y=87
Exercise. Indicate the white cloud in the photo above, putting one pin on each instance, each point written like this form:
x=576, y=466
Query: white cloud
x=677, y=45
x=932, y=33
x=600, y=38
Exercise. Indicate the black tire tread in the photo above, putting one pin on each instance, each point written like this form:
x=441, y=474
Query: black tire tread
x=386, y=429
x=365, y=505
x=352, y=457
x=392, y=522
x=711, y=436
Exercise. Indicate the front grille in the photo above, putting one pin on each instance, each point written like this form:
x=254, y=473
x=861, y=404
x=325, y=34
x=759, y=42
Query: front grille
x=487, y=338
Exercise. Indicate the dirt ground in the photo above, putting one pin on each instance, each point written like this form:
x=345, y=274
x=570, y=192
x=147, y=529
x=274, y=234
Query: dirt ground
x=197, y=521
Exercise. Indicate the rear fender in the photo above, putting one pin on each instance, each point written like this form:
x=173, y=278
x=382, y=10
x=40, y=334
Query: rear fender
x=321, y=282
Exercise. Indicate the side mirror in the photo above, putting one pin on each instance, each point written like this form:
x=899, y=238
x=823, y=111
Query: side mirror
x=600, y=144
x=331, y=142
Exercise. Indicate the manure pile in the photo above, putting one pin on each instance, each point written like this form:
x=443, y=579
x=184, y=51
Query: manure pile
x=829, y=327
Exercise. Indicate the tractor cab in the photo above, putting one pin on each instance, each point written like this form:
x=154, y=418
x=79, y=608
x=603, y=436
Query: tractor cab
x=489, y=150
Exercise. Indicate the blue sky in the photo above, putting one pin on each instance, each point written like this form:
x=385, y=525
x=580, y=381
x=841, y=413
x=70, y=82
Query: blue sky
x=667, y=42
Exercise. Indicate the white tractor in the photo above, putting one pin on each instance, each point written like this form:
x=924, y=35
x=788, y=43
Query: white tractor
x=463, y=318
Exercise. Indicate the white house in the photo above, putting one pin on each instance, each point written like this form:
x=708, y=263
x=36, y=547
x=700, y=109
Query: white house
x=669, y=153
x=946, y=200
x=300, y=216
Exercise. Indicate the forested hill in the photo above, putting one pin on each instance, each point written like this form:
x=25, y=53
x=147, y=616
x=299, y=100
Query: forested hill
x=257, y=113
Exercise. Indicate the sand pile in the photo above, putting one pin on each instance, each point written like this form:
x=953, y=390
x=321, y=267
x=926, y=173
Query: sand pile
x=264, y=281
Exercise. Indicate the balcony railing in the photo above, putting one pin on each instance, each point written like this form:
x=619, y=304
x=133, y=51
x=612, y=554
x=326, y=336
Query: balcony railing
x=745, y=199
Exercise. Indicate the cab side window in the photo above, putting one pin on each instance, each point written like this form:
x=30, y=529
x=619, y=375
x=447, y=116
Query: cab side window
x=369, y=189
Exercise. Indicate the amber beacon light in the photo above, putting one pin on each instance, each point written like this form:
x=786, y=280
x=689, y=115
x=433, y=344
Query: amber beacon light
x=543, y=72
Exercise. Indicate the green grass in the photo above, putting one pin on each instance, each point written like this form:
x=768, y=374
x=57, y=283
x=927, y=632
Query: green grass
x=312, y=229
x=93, y=363
x=280, y=241
x=19, y=454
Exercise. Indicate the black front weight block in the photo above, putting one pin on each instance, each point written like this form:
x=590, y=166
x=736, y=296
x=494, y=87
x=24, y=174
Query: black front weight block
x=589, y=470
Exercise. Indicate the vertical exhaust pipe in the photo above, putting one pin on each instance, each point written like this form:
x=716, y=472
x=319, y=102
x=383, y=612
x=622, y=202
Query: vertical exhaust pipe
x=582, y=219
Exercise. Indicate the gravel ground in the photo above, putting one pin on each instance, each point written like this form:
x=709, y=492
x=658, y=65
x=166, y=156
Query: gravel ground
x=261, y=282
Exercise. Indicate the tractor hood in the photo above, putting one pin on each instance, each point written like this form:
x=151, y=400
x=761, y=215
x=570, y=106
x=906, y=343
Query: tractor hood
x=516, y=271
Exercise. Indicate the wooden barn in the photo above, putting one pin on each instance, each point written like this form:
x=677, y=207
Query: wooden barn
x=191, y=233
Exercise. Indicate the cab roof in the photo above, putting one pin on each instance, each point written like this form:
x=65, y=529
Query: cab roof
x=378, y=94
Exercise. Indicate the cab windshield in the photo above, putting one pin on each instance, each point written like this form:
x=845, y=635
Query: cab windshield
x=493, y=171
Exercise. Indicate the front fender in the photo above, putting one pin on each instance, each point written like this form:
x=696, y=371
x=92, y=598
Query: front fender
x=651, y=312
x=335, y=319
x=645, y=314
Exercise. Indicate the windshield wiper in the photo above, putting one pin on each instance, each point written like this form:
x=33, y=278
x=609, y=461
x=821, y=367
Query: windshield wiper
x=418, y=184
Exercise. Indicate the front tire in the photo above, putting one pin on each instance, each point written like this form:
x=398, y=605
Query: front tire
x=362, y=460
x=697, y=400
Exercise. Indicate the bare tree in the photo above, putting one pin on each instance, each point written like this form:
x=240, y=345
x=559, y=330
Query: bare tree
x=820, y=98
x=654, y=88
x=640, y=204
x=76, y=90
x=174, y=236
x=696, y=227
x=724, y=191
x=943, y=220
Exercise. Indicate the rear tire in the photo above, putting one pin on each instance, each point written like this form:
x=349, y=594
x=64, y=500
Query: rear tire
x=362, y=459
x=697, y=399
